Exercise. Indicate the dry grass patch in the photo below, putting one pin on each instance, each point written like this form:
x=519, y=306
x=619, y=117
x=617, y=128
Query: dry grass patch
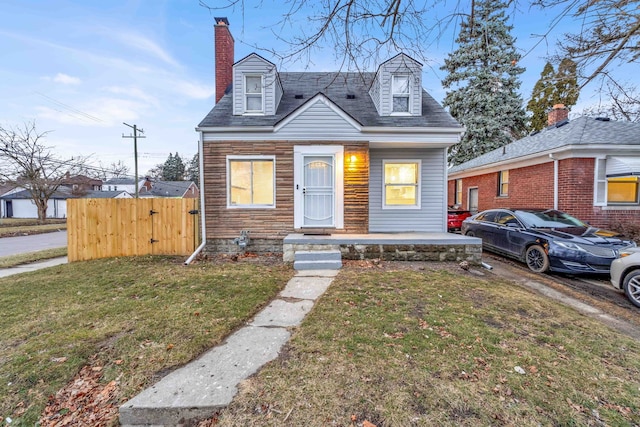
x=21, y=227
x=132, y=318
x=26, y=258
x=423, y=348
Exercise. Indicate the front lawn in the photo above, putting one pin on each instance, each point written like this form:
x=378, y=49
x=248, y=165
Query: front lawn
x=127, y=319
x=439, y=348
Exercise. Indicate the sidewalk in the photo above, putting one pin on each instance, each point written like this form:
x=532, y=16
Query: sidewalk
x=5, y=272
x=209, y=383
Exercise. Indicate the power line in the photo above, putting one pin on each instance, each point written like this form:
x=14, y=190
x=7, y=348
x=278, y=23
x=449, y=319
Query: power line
x=70, y=108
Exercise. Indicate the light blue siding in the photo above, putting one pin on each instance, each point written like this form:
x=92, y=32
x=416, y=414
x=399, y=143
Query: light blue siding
x=431, y=216
x=255, y=65
x=381, y=89
x=317, y=122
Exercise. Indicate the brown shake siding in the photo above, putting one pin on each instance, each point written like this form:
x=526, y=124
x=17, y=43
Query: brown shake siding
x=276, y=223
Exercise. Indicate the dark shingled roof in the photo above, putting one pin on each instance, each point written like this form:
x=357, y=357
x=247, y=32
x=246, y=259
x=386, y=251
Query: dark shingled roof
x=169, y=188
x=98, y=194
x=581, y=132
x=334, y=86
x=60, y=193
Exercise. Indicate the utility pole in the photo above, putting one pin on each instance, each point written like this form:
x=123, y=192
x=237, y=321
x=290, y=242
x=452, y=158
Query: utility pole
x=135, y=137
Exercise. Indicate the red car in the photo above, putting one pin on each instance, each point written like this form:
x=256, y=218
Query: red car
x=455, y=216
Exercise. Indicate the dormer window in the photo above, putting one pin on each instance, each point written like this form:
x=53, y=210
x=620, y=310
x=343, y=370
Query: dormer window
x=253, y=94
x=400, y=94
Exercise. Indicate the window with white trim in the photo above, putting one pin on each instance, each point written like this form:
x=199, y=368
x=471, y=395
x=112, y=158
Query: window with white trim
x=251, y=181
x=401, y=180
x=503, y=183
x=253, y=93
x=458, y=196
x=400, y=94
x=620, y=188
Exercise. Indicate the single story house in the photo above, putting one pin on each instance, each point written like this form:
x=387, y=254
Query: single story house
x=100, y=194
x=125, y=184
x=20, y=204
x=588, y=167
x=178, y=189
x=341, y=158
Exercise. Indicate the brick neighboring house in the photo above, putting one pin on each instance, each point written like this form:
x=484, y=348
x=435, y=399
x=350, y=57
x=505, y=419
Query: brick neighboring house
x=324, y=153
x=588, y=167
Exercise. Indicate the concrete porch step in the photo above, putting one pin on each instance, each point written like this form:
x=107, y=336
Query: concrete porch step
x=318, y=260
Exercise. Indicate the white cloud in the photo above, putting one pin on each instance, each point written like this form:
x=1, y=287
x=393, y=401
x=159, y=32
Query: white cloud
x=194, y=90
x=133, y=92
x=144, y=44
x=66, y=79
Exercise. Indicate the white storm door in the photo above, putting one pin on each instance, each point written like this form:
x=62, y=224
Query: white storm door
x=318, y=187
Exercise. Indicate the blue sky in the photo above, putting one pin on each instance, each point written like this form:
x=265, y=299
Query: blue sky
x=82, y=68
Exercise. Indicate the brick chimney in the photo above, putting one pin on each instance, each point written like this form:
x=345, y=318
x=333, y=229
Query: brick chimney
x=557, y=114
x=224, y=56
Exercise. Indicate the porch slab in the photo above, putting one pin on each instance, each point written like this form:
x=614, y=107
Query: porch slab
x=389, y=246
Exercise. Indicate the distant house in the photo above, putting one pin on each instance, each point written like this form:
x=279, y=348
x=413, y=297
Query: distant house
x=179, y=189
x=588, y=167
x=20, y=204
x=119, y=194
x=125, y=184
x=81, y=184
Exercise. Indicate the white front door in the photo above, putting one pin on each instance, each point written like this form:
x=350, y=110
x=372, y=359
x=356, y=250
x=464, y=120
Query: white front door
x=318, y=187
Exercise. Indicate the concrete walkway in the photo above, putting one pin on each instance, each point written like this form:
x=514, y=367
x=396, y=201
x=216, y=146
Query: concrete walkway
x=209, y=383
x=5, y=272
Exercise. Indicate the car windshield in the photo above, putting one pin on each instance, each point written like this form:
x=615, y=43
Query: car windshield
x=549, y=219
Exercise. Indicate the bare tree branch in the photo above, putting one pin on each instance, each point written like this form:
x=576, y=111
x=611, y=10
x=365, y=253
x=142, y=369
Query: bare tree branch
x=28, y=163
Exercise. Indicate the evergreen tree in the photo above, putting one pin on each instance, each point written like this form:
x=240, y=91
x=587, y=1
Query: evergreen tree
x=483, y=78
x=553, y=88
x=542, y=98
x=173, y=168
x=566, y=84
x=193, y=169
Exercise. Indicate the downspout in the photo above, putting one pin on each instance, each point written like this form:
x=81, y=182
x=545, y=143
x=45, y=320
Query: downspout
x=202, y=216
x=555, y=181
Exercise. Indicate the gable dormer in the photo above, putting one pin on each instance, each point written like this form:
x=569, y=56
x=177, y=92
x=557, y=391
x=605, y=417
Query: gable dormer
x=397, y=87
x=256, y=87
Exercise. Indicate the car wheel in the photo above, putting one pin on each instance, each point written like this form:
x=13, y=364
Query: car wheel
x=470, y=234
x=631, y=287
x=537, y=260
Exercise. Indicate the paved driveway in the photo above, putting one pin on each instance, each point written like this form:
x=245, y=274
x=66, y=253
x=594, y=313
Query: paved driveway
x=35, y=242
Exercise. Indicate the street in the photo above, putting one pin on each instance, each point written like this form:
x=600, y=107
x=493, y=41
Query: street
x=36, y=242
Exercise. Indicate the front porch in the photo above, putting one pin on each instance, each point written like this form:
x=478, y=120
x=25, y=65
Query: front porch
x=389, y=246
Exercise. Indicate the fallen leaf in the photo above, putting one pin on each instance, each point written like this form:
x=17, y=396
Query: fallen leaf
x=169, y=347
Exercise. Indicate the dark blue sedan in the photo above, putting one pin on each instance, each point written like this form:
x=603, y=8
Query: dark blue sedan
x=546, y=239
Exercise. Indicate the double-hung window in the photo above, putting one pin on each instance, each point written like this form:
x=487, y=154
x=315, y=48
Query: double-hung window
x=401, y=184
x=253, y=94
x=458, y=196
x=400, y=94
x=503, y=183
x=251, y=181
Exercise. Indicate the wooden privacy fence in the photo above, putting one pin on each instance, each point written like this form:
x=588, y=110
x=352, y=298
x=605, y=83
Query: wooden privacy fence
x=103, y=228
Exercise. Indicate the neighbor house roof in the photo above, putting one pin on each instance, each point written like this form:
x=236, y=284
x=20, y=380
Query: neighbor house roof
x=583, y=131
x=169, y=188
x=97, y=194
x=60, y=193
x=122, y=181
x=334, y=86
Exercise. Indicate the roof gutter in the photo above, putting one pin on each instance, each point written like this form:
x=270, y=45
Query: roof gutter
x=202, y=216
x=370, y=129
